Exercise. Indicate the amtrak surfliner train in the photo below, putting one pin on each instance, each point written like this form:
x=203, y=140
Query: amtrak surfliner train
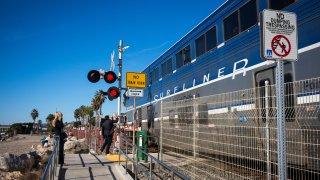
x=222, y=54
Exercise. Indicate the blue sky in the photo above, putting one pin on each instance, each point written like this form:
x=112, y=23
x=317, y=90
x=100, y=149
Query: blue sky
x=47, y=48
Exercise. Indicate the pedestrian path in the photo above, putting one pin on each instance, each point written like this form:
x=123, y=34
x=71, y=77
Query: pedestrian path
x=89, y=166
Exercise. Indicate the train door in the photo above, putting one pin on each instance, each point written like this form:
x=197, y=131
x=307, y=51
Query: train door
x=139, y=118
x=153, y=132
x=150, y=117
x=261, y=79
x=268, y=75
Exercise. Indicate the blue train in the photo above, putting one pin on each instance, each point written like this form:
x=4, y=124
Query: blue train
x=222, y=54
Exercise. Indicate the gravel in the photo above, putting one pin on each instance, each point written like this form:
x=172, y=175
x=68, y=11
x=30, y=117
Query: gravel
x=20, y=144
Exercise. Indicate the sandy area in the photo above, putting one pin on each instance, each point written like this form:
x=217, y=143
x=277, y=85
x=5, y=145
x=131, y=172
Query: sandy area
x=19, y=144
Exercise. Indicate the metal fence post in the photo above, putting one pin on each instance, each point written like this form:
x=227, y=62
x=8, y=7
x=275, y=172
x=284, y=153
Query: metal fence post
x=49, y=173
x=158, y=147
x=150, y=169
x=267, y=129
x=126, y=158
x=194, y=127
x=161, y=130
x=119, y=150
x=135, y=169
x=95, y=139
x=281, y=129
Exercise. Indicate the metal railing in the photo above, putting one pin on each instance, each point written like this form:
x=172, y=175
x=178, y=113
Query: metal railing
x=51, y=167
x=173, y=172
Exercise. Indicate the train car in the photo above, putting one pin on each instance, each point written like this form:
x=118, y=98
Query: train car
x=222, y=54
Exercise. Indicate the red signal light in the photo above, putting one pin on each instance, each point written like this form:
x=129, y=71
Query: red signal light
x=110, y=77
x=113, y=93
x=93, y=76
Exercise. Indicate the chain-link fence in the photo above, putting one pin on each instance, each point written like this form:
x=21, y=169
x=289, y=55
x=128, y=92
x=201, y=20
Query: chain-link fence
x=234, y=135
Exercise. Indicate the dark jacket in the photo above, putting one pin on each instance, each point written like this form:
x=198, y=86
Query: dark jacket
x=108, y=127
x=58, y=129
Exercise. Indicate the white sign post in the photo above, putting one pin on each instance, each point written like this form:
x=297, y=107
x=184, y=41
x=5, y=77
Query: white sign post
x=135, y=93
x=279, y=43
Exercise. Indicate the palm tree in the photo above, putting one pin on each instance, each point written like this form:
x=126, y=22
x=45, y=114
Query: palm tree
x=40, y=126
x=96, y=103
x=49, y=120
x=76, y=114
x=100, y=98
x=86, y=112
x=83, y=113
x=34, y=115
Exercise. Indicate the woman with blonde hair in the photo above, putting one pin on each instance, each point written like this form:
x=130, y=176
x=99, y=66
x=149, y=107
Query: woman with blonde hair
x=57, y=123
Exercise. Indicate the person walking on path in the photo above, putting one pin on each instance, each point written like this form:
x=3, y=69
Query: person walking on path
x=57, y=123
x=107, y=130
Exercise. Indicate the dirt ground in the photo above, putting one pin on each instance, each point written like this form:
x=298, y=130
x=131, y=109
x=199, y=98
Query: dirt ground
x=20, y=144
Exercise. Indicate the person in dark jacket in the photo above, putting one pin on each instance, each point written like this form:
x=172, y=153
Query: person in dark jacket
x=107, y=130
x=57, y=123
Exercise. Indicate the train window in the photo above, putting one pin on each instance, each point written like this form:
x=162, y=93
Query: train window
x=183, y=57
x=280, y=4
x=169, y=66
x=150, y=77
x=248, y=15
x=211, y=38
x=155, y=74
x=150, y=117
x=163, y=69
x=166, y=67
x=178, y=60
x=200, y=46
x=231, y=26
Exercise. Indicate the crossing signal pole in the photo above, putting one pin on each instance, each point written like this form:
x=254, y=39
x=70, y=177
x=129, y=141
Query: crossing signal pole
x=110, y=77
x=120, y=50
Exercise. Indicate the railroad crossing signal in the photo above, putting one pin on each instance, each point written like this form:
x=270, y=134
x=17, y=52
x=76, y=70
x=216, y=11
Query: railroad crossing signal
x=113, y=93
x=110, y=77
x=93, y=76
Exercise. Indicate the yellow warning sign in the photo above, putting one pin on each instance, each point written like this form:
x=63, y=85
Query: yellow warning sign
x=136, y=80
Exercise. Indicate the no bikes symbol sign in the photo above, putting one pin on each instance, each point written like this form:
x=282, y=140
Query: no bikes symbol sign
x=281, y=45
x=279, y=35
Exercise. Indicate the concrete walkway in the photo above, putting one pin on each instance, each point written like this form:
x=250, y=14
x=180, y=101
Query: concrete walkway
x=88, y=166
